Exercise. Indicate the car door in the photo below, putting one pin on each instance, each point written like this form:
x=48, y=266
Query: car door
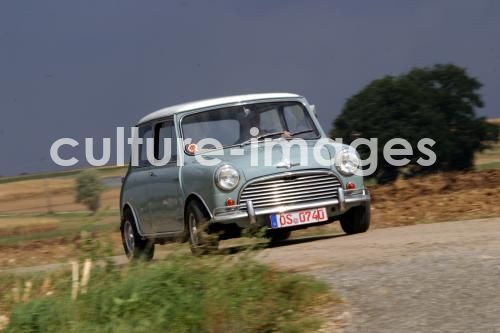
x=138, y=182
x=166, y=203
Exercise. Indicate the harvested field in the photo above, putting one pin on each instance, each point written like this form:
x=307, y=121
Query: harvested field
x=435, y=198
x=43, y=195
x=29, y=235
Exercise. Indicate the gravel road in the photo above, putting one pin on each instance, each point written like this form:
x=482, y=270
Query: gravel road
x=442, y=277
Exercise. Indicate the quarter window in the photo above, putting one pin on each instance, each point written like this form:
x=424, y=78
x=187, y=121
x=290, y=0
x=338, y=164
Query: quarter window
x=165, y=141
x=145, y=133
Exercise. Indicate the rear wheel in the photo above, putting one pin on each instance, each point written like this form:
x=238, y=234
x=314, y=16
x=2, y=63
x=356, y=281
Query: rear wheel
x=356, y=220
x=200, y=240
x=134, y=245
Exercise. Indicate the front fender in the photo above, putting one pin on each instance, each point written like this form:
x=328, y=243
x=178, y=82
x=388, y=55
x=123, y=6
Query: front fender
x=199, y=180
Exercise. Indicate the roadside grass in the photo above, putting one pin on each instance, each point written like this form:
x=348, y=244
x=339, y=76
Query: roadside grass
x=180, y=294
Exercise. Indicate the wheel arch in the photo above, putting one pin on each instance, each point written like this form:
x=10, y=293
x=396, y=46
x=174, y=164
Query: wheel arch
x=127, y=206
x=196, y=197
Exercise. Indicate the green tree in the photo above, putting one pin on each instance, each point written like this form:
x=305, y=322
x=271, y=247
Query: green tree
x=439, y=102
x=89, y=189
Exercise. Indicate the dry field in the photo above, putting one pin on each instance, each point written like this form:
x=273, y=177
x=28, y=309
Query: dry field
x=41, y=239
x=44, y=195
x=40, y=222
x=440, y=197
x=489, y=158
x=29, y=234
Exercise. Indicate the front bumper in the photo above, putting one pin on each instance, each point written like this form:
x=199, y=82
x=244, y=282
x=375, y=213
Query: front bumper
x=345, y=200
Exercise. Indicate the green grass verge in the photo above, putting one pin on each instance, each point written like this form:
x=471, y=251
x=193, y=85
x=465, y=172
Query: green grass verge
x=180, y=294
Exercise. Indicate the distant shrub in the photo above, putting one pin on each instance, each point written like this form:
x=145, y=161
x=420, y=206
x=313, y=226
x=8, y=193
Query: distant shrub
x=89, y=189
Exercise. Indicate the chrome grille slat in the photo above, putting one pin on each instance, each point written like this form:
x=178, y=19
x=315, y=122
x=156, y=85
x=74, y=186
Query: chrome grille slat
x=286, y=193
x=290, y=188
x=288, y=202
x=284, y=178
x=299, y=196
x=287, y=179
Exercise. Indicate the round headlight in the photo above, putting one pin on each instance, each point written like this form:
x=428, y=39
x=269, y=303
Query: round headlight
x=227, y=177
x=347, y=162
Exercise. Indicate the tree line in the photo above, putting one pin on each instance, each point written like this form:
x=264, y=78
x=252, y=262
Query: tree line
x=438, y=102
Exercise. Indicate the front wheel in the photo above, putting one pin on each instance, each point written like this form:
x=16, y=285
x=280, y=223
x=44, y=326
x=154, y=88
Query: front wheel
x=134, y=245
x=200, y=240
x=356, y=220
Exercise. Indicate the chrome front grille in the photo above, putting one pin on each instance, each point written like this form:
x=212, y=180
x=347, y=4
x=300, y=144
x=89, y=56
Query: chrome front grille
x=290, y=188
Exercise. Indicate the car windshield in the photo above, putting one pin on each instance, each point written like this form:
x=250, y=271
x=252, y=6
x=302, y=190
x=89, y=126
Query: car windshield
x=231, y=125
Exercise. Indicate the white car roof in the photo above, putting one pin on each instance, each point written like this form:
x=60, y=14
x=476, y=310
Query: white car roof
x=212, y=102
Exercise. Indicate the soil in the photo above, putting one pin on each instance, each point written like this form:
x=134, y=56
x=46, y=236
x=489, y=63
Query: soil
x=434, y=198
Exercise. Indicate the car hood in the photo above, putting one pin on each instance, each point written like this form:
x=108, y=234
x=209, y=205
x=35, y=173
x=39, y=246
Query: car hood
x=241, y=157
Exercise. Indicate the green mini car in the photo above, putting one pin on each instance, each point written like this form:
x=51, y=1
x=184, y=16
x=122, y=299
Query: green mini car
x=206, y=170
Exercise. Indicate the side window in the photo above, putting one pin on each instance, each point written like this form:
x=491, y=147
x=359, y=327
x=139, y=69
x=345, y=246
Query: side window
x=165, y=141
x=145, y=132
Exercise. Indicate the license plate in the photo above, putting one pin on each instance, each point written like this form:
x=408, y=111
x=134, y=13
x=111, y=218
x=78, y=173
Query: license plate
x=300, y=217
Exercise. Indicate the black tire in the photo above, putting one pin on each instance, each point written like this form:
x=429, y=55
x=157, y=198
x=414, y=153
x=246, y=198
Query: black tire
x=356, y=220
x=136, y=248
x=200, y=240
x=276, y=236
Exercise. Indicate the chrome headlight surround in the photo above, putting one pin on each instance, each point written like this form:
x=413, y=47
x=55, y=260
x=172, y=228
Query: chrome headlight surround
x=347, y=162
x=226, y=177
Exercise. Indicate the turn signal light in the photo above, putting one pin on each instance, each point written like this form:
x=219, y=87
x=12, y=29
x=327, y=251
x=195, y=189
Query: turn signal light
x=230, y=202
x=350, y=186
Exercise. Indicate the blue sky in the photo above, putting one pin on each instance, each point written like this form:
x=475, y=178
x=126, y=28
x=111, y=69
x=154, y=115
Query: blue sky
x=80, y=68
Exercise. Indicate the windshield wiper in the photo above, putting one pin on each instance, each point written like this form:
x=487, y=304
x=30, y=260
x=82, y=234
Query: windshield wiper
x=267, y=135
x=302, y=132
x=263, y=136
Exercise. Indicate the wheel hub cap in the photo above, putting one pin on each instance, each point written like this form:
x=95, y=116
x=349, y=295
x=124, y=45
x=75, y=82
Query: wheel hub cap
x=193, y=230
x=128, y=234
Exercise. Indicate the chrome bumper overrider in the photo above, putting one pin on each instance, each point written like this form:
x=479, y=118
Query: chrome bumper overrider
x=346, y=199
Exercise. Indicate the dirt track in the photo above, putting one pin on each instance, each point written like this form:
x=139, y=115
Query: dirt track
x=442, y=277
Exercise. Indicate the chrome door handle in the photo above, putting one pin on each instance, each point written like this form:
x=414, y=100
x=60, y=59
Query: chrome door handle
x=152, y=174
